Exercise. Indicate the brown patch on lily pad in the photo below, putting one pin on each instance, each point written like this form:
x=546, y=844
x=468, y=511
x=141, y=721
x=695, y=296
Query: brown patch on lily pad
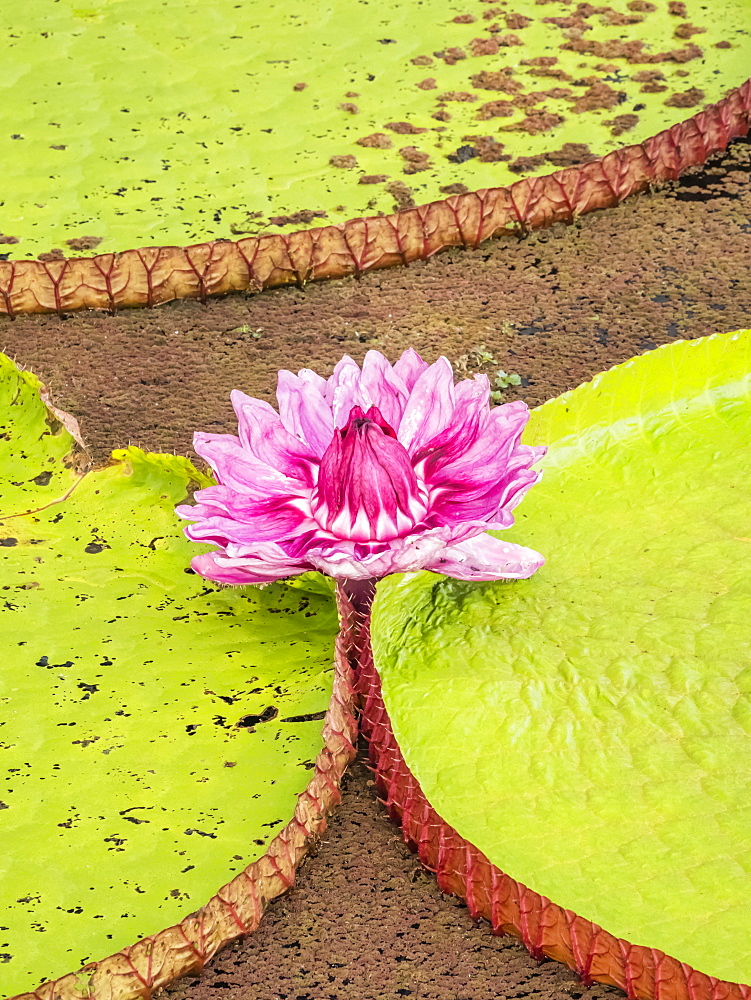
x=550, y=71
x=618, y=18
x=301, y=218
x=571, y=154
x=648, y=75
x=373, y=178
x=496, y=80
x=84, y=242
x=688, y=30
x=537, y=122
x=489, y=150
x=622, y=123
x=632, y=51
x=540, y=61
x=463, y=96
x=677, y=8
x=404, y=128
x=377, y=140
x=8, y=239
x=508, y=41
x=402, y=195
x=496, y=109
x=344, y=162
x=484, y=46
x=451, y=56
x=526, y=164
x=599, y=95
x=688, y=99
x=454, y=189
x=515, y=22
x=417, y=161
x=429, y=83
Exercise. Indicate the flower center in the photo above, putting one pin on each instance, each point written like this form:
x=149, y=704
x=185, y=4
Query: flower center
x=367, y=489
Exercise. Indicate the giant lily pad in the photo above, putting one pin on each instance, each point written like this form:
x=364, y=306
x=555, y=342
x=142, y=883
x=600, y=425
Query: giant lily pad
x=589, y=729
x=118, y=130
x=155, y=731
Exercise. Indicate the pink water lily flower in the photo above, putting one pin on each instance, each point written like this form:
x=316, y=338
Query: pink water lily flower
x=382, y=470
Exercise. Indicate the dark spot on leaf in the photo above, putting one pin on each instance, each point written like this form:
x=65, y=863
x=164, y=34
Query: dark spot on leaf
x=94, y=547
x=190, y=730
x=251, y=721
x=310, y=717
x=117, y=841
x=201, y=833
x=44, y=661
x=89, y=689
x=8, y=543
x=43, y=478
x=462, y=154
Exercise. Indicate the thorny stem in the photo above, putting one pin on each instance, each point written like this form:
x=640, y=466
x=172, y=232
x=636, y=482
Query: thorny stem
x=354, y=601
x=360, y=594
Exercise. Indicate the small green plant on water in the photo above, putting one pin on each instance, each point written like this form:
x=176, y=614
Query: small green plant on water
x=480, y=358
x=245, y=328
x=502, y=381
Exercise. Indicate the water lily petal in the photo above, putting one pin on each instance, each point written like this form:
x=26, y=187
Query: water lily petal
x=468, y=423
x=403, y=555
x=430, y=407
x=410, y=367
x=304, y=411
x=267, y=564
x=262, y=521
x=314, y=379
x=485, y=558
x=239, y=469
x=380, y=383
x=367, y=489
x=264, y=435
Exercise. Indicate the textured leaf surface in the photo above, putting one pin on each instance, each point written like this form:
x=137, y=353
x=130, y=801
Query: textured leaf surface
x=129, y=792
x=118, y=130
x=610, y=695
x=38, y=455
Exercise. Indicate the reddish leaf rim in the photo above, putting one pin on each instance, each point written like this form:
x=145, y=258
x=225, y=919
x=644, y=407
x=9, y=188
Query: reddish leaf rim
x=546, y=929
x=154, y=275
x=136, y=972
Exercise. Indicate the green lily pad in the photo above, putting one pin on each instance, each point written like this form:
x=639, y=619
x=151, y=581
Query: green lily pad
x=118, y=131
x=589, y=729
x=155, y=730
